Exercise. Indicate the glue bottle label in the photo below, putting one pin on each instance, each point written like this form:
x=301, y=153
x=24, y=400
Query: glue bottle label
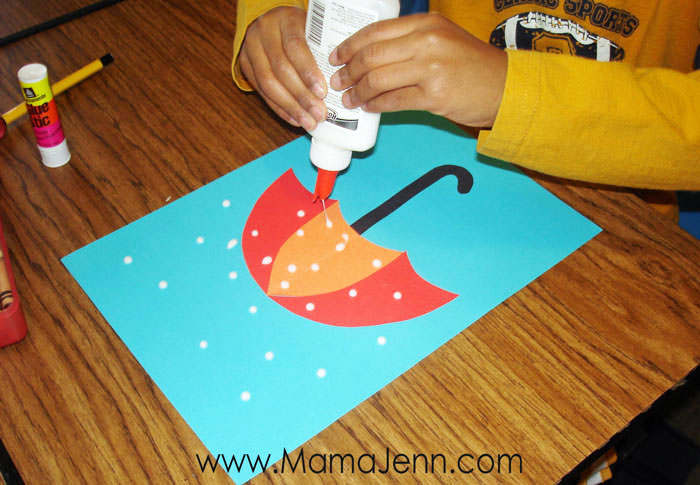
x=328, y=23
x=43, y=112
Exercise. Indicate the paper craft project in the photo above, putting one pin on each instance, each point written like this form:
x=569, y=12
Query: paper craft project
x=308, y=259
x=263, y=324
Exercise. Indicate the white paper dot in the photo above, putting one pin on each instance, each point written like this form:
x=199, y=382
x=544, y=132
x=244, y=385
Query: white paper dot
x=300, y=232
x=245, y=396
x=381, y=340
x=233, y=275
x=203, y=344
x=253, y=309
x=346, y=237
x=321, y=373
x=301, y=213
x=128, y=260
x=376, y=263
x=163, y=285
x=292, y=268
x=269, y=356
x=310, y=306
x=397, y=295
x=329, y=224
x=226, y=203
x=340, y=246
x=315, y=267
x=200, y=240
x=284, y=284
x=254, y=233
x=267, y=260
x=231, y=243
x=352, y=293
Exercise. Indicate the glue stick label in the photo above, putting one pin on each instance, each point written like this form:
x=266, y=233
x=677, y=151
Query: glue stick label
x=43, y=112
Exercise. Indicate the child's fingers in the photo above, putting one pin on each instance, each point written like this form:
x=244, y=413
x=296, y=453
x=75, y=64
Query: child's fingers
x=373, y=33
x=271, y=88
x=382, y=80
x=249, y=74
x=299, y=54
x=410, y=97
x=290, y=82
x=373, y=56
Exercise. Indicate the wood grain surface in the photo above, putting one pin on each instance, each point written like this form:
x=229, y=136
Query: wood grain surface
x=551, y=374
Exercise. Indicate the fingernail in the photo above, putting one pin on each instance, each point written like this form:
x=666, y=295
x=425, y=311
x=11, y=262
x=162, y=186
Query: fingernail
x=346, y=99
x=307, y=122
x=318, y=91
x=335, y=81
x=333, y=58
x=317, y=113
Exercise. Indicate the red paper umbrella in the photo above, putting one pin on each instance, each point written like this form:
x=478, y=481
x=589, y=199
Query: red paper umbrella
x=324, y=270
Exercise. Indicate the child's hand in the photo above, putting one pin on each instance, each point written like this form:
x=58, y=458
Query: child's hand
x=423, y=62
x=277, y=62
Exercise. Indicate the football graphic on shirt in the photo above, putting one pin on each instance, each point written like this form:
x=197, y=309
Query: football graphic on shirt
x=545, y=33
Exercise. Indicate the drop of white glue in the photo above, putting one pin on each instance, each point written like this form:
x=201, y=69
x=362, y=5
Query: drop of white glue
x=397, y=295
x=253, y=309
x=267, y=260
x=284, y=285
x=203, y=344
x=329, y=224
x=226, y=203
x=301, y=213
x=233, y=275
x=292, y=268
x=128, y=260
x=300, y=232
x=245, y=396
x=346, y=237
x=315, y=267
x=340, y=246
x=254, y=233
x=310, y=306
x=231, y=243
x=381, y=340
x=269, y=356
x=200, y=240
x=321, y=373
x=352, y=293
x=163, y=285
x=376, y=263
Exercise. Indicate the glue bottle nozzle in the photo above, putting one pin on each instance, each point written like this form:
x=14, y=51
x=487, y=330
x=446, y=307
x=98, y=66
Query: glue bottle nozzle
x=325, y=180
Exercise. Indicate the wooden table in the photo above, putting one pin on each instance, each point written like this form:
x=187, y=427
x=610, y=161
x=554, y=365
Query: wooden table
x=551, y=374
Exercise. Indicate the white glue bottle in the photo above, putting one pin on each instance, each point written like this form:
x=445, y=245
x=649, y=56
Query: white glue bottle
x=328, y=23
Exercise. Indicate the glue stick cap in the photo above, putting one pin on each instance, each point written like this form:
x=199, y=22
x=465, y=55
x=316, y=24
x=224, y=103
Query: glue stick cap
x=55, y=156
x=32, y=73
x=329, y=157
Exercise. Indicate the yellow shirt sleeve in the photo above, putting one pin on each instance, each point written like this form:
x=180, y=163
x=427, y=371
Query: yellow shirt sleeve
x=246, y=12
x=608, y=123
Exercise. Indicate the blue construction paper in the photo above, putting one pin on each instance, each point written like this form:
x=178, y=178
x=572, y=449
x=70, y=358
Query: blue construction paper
x=175, y=287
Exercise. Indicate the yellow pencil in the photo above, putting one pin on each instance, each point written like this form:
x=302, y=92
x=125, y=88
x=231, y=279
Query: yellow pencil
x=58, y=87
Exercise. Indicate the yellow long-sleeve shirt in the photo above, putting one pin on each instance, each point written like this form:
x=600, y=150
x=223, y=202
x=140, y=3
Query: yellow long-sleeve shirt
x=634, y=121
